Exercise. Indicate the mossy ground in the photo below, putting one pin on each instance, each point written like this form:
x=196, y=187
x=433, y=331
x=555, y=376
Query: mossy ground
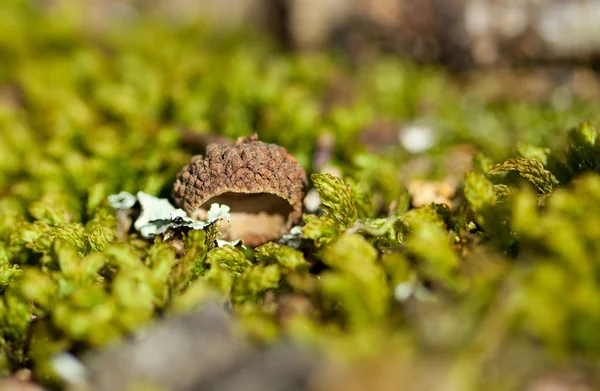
x=500, y=286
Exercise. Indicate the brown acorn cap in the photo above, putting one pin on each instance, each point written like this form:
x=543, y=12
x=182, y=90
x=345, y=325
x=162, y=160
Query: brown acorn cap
x=260, y=182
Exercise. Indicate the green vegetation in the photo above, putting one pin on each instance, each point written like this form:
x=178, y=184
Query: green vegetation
x=507, y=277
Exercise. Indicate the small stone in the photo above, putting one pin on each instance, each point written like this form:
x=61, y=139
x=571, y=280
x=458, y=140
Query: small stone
x=175, y=354
x=427, y=192
x=15, y=384
x=280, y=368
x=416, y=139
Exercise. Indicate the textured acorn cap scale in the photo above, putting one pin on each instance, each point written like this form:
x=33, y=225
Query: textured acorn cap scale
x=260, y=182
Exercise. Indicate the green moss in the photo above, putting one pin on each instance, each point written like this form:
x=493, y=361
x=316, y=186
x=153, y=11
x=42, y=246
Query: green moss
x=356, y=287
x=510, y=266
x=339, y=208
x=530, y=169
x=289, y=259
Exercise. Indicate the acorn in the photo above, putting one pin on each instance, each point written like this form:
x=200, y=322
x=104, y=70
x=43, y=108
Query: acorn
x=262, y=184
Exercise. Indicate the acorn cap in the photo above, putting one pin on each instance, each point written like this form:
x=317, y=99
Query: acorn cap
x=260, y=182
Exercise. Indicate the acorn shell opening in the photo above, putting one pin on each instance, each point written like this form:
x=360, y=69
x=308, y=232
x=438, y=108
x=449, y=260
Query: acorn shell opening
x=255, y=217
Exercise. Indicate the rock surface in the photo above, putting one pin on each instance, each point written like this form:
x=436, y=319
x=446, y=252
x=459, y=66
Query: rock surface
x=199, y=351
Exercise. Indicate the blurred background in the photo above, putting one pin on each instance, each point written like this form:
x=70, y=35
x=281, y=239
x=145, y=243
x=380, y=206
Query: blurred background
x=457, y=33
x=446, y=64
x=460, y=34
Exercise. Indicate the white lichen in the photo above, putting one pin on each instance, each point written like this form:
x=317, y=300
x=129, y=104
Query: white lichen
x=158, y=215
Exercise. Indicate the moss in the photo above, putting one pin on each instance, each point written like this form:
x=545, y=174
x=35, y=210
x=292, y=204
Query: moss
x=510, y=266
x=289, y=259
x=340, y=211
